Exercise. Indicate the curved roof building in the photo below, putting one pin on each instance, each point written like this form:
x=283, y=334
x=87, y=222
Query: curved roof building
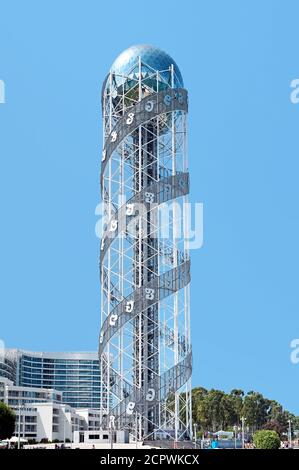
x=75, y=374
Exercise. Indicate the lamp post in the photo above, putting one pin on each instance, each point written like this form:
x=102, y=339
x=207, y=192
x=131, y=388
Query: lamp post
x=19, y=426
x=64, y=429
x=195, y=428
x=111, y=434
x=21, y=419
x=290, y=433
x=202, y=442
x=243, y=437
x=235, y=431
x=136, y=429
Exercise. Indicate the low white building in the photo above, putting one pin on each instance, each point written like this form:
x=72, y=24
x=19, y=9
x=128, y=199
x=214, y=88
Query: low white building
x=42, y=416
x=90, y=417
x=54, y=422
x=101, y=437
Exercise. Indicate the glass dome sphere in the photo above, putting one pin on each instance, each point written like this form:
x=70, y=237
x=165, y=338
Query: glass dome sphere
x=151, y=56
x=123, y=87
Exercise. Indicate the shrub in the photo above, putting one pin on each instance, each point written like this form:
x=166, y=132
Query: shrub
x=266, y=440
x=45, y=440
x=31, y=441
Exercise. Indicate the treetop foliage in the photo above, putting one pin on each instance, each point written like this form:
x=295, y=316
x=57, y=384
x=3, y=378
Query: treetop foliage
x=214, y=410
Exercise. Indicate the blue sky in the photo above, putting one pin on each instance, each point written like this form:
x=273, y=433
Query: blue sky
x=238, y=59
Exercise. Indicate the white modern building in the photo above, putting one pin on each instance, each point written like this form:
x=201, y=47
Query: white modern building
x=90, y=417
x=101, y=437
x=41, y=415
x=15, y=395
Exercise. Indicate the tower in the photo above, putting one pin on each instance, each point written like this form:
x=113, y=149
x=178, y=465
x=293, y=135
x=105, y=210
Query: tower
x=144, y=345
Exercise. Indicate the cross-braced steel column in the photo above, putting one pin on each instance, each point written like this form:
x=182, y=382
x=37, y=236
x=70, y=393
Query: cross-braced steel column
x=145, y=349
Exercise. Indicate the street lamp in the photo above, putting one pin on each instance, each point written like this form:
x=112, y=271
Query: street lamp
x=243, y=437
x=235, y=430
x=111, y=426
x=64, y=429
x=21, y=414
x=290, y=433
x=195, y=428
x=137, y=425
x=19, y=426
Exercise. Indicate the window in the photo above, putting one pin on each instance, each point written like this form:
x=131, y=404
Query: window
x=30, y=428
x=30, y=419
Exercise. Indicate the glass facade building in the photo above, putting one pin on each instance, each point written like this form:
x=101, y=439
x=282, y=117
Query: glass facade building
x=8, y=365
x=75, y=374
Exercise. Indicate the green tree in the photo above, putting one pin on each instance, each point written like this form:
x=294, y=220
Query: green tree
x=255, y=409
x=274, y=426
x=199, y=407
x=7, y=421
x=275, y=410
x=295, y=422
x=237, y=396
x=266, y=440
x=215, y=409
x=229, y=413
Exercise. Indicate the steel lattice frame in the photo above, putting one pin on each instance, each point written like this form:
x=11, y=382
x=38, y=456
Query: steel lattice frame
x=144, y=347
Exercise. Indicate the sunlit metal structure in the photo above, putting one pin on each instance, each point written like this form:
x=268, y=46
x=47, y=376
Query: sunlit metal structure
x=144, y=345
